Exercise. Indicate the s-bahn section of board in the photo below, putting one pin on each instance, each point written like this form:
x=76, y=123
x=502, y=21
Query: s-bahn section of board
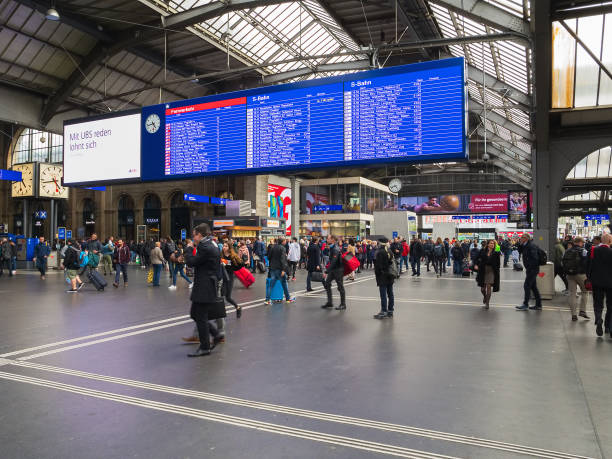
x=410, y=113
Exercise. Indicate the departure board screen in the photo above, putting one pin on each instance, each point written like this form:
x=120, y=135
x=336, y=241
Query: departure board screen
x=410, y=113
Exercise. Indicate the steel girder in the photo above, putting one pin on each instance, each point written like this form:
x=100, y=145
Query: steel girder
x=496, y=118
x=493, y=137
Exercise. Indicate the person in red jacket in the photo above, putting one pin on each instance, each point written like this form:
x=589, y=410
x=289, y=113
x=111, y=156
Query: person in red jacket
x=122, y=258
x=405, y=253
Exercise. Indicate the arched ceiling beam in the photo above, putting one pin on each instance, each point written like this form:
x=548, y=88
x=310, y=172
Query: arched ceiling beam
x=476, y=107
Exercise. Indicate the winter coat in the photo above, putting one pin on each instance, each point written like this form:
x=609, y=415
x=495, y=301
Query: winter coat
x=314, y=258
x=381, y=267
x=157, y=256
x=206, y=263
x=482, y=261
x=600, y=267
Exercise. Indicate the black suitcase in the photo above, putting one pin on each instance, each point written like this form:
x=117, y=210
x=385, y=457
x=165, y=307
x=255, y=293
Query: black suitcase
x=96, y=280
x=517, y=267
x=465, y=270
x=261, y=267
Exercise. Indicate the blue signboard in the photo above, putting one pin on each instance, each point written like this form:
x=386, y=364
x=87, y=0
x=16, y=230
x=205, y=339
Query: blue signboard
x=196, y=198
x=183, y=234
x=68, y=234
x=13, y=176
x=597, y=217
x=395, y=234
x=96, y=188
x=61, y=232
x=327, y=208
x=410, y=113
x=40, y=214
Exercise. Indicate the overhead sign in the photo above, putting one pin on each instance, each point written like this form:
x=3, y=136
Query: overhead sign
x=12, y=176
x=597, y=217
x=222, y=223
x=334, y=208
x=40, y=214
x=95, y=188
x=455, y=203
x=61, y=232
x=196, y=198
x=68, y=234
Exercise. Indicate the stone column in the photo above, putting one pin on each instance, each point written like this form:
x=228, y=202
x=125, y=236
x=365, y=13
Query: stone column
x=295, y=206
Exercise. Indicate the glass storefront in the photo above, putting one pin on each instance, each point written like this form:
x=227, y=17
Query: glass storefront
x=344, y=228
x=344, y=199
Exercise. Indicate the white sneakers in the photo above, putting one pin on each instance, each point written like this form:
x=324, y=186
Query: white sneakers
x=191, y=285
x=172, y=287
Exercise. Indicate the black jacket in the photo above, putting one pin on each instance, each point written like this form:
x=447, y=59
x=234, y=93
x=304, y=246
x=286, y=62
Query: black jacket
x=381, y=268
x=207, y=266
x=529, y=253
x=71, y=259
x=600, y=267
x=396, y=249
x=335, y=260
x=457, y=253
x=416, y=250
x=314, y=257
x=493, y=261
x=277, y=257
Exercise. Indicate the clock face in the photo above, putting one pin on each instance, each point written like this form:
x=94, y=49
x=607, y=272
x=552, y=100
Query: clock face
x=50, y=184
x=26, y=186
x=395, y=185
x=152, y=123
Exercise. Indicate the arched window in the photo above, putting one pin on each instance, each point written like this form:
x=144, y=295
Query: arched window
x=152, y=201
x=38, y=146
x=596, y=165
x=177, y=200
x=126, y=203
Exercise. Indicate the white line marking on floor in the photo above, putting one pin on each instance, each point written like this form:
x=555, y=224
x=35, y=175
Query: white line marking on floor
x=359, y=422
x=322, y=437
x=248, y=305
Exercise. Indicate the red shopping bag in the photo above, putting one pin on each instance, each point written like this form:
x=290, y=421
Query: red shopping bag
x=245, y=277
x=351, y=263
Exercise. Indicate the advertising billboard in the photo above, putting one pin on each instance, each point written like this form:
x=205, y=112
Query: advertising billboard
x=518, y=206
x=451, y=204
x=279, y=203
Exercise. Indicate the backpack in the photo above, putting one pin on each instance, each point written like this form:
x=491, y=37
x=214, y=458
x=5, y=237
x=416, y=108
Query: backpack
x=438, y=251
x=542, y=257
x=571, y=261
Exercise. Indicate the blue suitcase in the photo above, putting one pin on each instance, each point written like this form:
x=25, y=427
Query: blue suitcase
x=276, y=294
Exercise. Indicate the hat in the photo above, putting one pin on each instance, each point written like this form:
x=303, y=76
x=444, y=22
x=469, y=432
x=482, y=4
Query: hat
x=383, y=240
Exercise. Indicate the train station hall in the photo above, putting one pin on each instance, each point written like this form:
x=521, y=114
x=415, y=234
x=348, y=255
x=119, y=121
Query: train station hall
x=305, y=229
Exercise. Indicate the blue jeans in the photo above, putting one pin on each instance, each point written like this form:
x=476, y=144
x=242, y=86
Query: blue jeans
x=506, y=257
x=386, y=291
x=122, y=267
x=179, y=269
x=403, y=261
x=157, y=269
x=448, y=258
x=275, y=275
x=457, y=266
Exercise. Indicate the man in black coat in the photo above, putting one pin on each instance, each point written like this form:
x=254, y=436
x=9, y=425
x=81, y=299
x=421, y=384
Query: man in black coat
x=600, y=275
x=313, y=261
x=416, y=253
x=385, y=279
x=205, y=260
x=531, y=261
x=335, y=271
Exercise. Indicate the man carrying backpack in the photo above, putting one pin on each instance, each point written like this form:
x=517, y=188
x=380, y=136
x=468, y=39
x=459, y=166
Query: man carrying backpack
x=385, y=268
x=531, y=260
x=574, y=265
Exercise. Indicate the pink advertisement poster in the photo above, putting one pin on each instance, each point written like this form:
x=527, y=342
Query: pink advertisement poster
x=315, y=199
x=279, y=203
x=488, y=203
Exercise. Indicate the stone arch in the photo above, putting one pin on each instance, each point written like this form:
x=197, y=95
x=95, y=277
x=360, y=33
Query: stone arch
x=125, y=202
x=151, y=200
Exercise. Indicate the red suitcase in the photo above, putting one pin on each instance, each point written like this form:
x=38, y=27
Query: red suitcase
x=245, y=277
x=351, y=263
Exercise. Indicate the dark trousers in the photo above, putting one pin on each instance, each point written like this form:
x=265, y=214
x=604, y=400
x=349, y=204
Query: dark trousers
x=415, y=263
x=157, y=269
x=121, y=268
x=386, y=291
x=457, y=266
x=506, y=258
x=561, y=273
x=438, y=264
x=228, y=286
x=598, y=304
x=309, y=281
x=292, y=268
x=339, y=278
x=530, y=286
x=41, y=265
x=199, y=313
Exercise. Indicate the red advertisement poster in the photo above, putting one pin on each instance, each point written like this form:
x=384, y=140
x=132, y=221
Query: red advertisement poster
x=488, y=203
x=315, y=199
x=279, y=203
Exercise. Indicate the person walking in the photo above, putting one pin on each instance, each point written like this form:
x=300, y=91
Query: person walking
x=94, y=249
x=439, y=254
x=600, y=275
x=405, y=253
x=178, y=260
x=157, y=260
x=122, y=257
x=574, y=265
x=72, y=266
x=204, y=257
x=458, y=256
x=531, y=262
x=278, y=271
x=231, y=263
x=41, y=254
x=428, y=252
x=385, y=278
x=487, y=265
x=294, y=257
x=416, y=253
x=557, y=259
x=335, y=272
x=313, y=262
x=108, y=251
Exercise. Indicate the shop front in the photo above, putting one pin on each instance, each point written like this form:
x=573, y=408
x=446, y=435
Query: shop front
x=126, y=219
x=89, y=220
x=151, y=216
x=244, y=227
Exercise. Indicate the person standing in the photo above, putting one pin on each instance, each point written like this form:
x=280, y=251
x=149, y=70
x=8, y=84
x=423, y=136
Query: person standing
x=439, y=254
x=396, y=250
x=600, y=275
x=405, y=253
x=278, y=271
x=458, y=255
x=557, y=259
x=294, y=257
x=205, y=259
x=157, y=260
x=506, y=248
x=428, y=252
x=416, y=253
x=122, y=259
x=313, y=263
x=108, y=251
x=41, y=253
x=574, y=265
x=447, y=250
x=4, y=259
x=335, y=272
x=385, y=279
x=531, y=262
x=487, y=264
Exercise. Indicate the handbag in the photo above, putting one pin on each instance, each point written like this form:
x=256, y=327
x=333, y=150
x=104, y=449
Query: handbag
x=317, y=276
x=216, y=309
x=588, y=285
x=150, y=276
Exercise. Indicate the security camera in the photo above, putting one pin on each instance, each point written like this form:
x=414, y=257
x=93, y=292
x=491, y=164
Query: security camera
x=485, y=157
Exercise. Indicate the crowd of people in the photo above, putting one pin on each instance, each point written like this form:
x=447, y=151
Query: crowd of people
x=582, y=264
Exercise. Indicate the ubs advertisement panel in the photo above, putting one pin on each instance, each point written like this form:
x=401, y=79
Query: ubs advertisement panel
x=451, y=204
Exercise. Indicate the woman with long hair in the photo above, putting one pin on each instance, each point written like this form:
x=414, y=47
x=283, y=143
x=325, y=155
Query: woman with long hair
x=231, y=263
x=488, y=264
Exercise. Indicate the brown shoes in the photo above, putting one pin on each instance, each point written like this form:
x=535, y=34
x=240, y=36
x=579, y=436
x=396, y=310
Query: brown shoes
x=191, y=340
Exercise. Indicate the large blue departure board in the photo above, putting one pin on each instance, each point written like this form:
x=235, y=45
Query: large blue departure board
x=411, y=113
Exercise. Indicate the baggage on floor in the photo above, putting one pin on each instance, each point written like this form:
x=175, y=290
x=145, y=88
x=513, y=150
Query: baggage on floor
x=96, y=279
x=517, y=267
x=260, y=266
x=277, y=292
x=245, y=276
x=465, y=270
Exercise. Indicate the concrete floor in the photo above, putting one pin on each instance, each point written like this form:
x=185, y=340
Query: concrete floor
x=104, y=375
